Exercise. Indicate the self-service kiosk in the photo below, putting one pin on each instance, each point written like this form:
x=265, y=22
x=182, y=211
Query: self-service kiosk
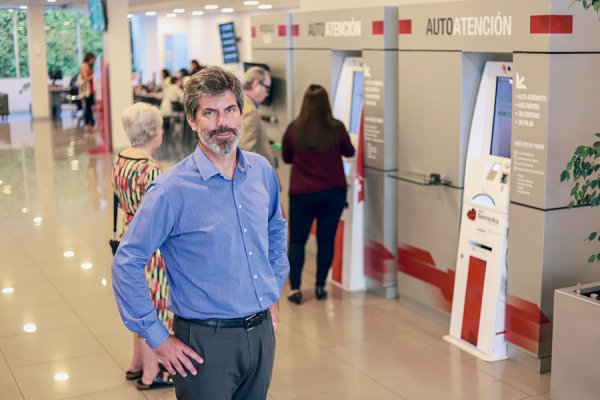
x=479, y=301
x=347, y=107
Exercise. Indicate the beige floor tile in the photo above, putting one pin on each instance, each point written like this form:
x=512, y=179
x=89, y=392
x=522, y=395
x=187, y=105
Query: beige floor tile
x=314, y=372
x=87, y=375
x=47, y=317
x=129, y=393
x=515, y=375
x=96, y=309
x=41, y=347
x=85, y=286
x=544, y=396
x=7, y=242
x=16, y=257
x=27, y=296
x=13, y=276
x=290, y=342
x=122, y=358
x=162, y=394
x=8, y=387
x=457, y=381
x=373, y=391
x=345, y=326
x=310, y=307
x=112, y=335
x=392, y=355
x=3, y=364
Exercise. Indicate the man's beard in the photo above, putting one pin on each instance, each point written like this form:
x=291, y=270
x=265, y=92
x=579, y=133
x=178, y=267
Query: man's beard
x=220, y=146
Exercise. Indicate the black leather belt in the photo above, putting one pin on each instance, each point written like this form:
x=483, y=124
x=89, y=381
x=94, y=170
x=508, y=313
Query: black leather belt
x=250, y=322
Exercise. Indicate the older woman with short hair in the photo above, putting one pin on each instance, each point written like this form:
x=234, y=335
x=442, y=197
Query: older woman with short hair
x=133, y=172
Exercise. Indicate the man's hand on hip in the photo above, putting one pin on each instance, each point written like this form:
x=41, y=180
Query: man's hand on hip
x=175, y=356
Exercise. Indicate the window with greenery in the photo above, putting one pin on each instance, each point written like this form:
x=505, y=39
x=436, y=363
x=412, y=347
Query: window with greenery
x=61, y=40
x=8, y=67
x=22, y=43
x=62, y=50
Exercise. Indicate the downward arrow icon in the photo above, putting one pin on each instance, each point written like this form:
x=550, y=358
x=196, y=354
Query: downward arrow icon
x=521, y=82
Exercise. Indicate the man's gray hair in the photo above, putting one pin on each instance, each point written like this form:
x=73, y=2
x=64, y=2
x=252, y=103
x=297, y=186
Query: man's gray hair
x=142, y=122
x=212, y=81
x=253, y=74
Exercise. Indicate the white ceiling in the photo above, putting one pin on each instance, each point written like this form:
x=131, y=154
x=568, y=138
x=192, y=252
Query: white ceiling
x=165, y=6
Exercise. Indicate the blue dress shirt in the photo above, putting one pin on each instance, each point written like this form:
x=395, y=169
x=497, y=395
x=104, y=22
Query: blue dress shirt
x=223, y=242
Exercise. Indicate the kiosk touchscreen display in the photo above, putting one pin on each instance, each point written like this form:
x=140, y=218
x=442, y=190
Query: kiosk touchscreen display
x=501, y=130
x=357, y=101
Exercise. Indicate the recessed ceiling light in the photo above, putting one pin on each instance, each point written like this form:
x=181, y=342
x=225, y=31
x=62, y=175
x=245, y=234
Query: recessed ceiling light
x=51, y=1
x=29, y=328
x=211, y=7
x=179, y=10
x=150, y=13
x=87, y=265
x=265, y=7
x=61, y=377
x=251, y=3
x=8, y=290
x=68, y=253
x=197, y=12
x=171, y=15
x=24, y=210
x=227, y=10
x=129, y=15
x=23, y=7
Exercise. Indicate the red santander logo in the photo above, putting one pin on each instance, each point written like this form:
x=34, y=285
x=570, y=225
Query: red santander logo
x=472, y=214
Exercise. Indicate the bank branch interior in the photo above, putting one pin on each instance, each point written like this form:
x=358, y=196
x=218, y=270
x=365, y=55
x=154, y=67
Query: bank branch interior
x=466, y=262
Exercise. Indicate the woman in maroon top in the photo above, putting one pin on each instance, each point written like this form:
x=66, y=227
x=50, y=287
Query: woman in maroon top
x=314, y=144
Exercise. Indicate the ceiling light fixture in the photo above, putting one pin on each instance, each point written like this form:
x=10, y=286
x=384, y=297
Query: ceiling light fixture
x=251, y=3
x=265, y=7
x=211, y=7
x=171, y=15
x=197, y=12
x=51, y=1
x=150, y=13
x=179, y=10
x=227, y=10
x=23, y=7
x=129, y=16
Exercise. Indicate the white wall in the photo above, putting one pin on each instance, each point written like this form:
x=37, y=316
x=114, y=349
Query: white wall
x=204, y=43
x=16, y=102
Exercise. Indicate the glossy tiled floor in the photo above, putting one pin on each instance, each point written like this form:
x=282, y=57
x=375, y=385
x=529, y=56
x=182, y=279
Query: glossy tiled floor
x=56, y=197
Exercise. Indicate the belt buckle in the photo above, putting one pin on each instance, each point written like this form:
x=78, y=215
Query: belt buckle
x=252, y=321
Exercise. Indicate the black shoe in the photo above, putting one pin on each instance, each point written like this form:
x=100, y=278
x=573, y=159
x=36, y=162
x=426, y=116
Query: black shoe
x=295, y=297
x=320, y=293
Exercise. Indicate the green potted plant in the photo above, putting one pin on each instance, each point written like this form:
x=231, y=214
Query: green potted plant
x=577, y=309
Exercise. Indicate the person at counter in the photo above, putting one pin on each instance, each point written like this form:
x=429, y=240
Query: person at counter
x=314, y=144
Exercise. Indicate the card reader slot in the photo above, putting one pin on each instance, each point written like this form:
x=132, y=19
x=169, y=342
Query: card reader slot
x=480, y=245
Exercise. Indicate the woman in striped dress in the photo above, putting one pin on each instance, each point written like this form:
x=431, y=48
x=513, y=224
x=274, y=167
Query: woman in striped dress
x=133, y=172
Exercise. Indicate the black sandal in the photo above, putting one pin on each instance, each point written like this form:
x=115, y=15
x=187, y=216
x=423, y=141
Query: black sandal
x=157, y=383
x=133, y=375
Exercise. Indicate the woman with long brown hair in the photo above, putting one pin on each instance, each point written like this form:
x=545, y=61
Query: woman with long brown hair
x=314, y=144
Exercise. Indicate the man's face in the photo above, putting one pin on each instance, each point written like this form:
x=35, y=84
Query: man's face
x=218, y=122
x=262, y=88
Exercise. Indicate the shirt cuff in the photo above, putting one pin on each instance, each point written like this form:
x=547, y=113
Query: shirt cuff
x=156, y=334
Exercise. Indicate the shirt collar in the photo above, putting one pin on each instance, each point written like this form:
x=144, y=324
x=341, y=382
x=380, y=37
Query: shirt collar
x=207, y=169
x=257, y=105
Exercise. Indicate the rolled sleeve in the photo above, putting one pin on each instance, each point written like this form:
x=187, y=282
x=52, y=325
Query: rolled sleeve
x=277, y=234
x=146, y=233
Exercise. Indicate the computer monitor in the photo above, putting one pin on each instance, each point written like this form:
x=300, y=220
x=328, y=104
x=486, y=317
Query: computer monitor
x=357, y=101
x=98, y=20
x=55, y=75
x=502, y=126
x=248, y=65
x=229, y=43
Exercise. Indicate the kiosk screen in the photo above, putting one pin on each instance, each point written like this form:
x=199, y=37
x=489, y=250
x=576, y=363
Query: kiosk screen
x=357, y=101
x=501, y=130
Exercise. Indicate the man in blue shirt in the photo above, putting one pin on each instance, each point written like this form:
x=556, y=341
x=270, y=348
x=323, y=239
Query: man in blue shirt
x=217, y=220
